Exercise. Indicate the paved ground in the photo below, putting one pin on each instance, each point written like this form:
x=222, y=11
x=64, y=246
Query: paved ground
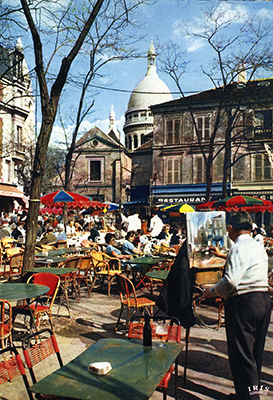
x=208, y=375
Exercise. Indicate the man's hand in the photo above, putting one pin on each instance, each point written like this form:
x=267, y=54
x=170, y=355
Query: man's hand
x=217, y=252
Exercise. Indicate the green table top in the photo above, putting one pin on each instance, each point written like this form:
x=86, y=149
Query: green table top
x=136, y=372
x=49, y=260
x=52, y=270
x=21, y=291
x=146, y=260
x=162, y=275
x=63, y=251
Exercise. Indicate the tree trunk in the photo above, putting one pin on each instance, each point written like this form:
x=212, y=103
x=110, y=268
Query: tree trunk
x=35, y=191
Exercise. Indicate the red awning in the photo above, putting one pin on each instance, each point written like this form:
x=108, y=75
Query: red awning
x=12, y=191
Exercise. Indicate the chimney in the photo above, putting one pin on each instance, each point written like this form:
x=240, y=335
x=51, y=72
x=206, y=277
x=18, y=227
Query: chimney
x=242, y=73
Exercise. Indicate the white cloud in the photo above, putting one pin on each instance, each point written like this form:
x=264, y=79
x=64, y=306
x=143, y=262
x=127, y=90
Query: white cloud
x=195, y=44
x=58, y=137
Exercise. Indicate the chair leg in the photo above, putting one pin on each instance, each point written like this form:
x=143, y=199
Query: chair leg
x=187, y=338
x=121, y=311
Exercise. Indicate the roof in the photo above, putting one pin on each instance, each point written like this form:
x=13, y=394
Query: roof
x=256, y=91
x=151, y=89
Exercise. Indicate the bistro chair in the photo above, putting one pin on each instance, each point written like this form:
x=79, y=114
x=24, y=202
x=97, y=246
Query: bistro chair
x=68, y=281
x=39, y=346
x=174, y=335
x=61, y=244
x=13, y=264
x=105, y=267
x=5, y=323
x=11, y=366
x=84, y=274
x=129, y=300
x=43, y=305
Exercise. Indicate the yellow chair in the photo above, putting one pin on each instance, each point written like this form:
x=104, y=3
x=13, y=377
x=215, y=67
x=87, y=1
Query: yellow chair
x=84, y=274
x=105, y=267
x=129, y=300
x=13, y=263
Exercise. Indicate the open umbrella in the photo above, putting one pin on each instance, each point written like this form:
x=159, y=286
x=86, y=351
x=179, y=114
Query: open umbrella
x=237, y=203
x=73, y=200
x=178, y=208
x=49, y=210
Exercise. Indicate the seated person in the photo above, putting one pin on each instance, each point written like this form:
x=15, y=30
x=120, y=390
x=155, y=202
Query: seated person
x=70, y=228
x=78, y=229
x=48, y=237
x=165, y=233
x=175, y=238
x=15, y=231
x=111, y=250
x=140, y=239
x=61, y=235
x=94, y=232
x=128, y=247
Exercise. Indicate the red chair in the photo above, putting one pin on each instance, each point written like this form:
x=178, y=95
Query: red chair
x=37, y=347
x=11, y=366
x=43, y=305
x=5, y=323
x=174, y=335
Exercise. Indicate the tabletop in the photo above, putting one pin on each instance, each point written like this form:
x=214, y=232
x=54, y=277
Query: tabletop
x=146, y=260
x=52, y=270
x=48, y=260
x=136, y=372
x=162, y=275
x=21, y=291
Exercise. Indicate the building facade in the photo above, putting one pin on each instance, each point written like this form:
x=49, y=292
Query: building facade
x=17, y=122
x=239, y=119
x=102, y=166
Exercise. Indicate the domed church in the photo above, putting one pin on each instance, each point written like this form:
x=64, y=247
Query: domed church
x=149, y=91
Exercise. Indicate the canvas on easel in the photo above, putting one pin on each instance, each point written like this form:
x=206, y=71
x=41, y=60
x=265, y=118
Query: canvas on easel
x=204, y=231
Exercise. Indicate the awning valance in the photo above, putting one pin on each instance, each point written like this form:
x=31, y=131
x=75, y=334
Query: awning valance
x=12, y=191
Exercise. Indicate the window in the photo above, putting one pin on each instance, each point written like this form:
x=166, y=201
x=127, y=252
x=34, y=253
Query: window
x=263, y=123
x=18, y=139
x=203, y=127
x=8, y=170
x=200, y=170
x=262, y=168
x=135, y=142
x=96, y=170
x=172, y=131
x=173, y=171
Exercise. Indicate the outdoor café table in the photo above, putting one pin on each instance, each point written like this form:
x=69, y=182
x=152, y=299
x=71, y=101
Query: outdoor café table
x=22, y=291
x=49, y=260
x=136, y=372
x=140, y=266
x=158, y=275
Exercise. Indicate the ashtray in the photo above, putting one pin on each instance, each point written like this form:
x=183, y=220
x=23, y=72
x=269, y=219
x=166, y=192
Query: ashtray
x=100, y=368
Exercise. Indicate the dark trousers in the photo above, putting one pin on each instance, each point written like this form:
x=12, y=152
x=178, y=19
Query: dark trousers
x=247, y=317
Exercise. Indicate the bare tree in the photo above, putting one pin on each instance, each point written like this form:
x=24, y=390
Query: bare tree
x=242, y=48
x=72, y=23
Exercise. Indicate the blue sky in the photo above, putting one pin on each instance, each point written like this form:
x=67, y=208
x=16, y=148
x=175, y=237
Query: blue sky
x=164, y=20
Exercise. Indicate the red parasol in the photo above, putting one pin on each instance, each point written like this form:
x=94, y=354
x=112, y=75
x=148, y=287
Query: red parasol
x=49, y=210
x=73, y=200
x=238, y=203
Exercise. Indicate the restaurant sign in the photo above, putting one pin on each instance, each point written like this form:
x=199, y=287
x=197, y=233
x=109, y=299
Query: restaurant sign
x=180, y=199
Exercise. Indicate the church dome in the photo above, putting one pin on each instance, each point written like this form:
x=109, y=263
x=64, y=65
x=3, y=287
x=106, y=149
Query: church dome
x=151, y=89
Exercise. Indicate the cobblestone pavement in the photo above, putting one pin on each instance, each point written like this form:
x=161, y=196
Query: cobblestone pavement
x=208, y=375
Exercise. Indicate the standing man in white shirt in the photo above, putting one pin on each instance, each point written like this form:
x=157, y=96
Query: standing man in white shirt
x=244, y=287
x=156, y=225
